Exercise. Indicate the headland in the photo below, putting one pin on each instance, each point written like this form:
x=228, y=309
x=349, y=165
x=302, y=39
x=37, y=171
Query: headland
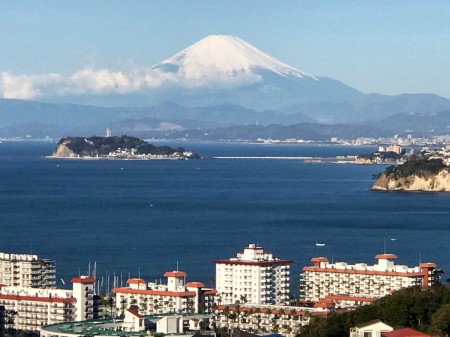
x=116, y=147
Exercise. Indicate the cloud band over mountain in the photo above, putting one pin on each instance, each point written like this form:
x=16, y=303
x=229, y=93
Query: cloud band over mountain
x=216, y=60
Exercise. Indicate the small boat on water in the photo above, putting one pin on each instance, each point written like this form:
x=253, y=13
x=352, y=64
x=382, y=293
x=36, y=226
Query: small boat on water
x=320, y=244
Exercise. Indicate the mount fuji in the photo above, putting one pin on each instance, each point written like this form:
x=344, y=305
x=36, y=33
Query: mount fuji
x=224, y=80
x=225, y=60
x=223, y=69
x=226, y=70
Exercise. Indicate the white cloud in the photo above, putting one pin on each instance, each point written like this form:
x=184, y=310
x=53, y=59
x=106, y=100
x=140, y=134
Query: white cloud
x=98, y=81
x=104, y=81
x=85, y=81
x=21, y=87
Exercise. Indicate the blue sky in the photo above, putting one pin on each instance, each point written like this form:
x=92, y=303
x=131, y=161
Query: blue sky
x=388, y=47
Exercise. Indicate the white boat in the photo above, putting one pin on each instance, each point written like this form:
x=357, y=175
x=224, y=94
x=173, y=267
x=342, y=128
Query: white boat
x=320, y=244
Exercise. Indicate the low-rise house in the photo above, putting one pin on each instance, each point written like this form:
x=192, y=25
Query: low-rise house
x=374, y=328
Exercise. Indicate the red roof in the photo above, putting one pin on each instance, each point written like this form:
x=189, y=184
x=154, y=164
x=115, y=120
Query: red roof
x=386, y=256
x=324, y=303
x=38, y=299
x=83, y=280
x=154, y=292
x=350, y=298
x=135, y=313
x=135, y=281
x=427, y=265
x=195, y=285
x=406, y=332
x=319, y=259
x=319, y=313
x=175, y=274
x=365, y=272
x=263, y=310
x=210, y=292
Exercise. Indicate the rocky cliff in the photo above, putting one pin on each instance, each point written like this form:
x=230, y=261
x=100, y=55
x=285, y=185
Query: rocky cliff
x=62, y=150
x=416, y=174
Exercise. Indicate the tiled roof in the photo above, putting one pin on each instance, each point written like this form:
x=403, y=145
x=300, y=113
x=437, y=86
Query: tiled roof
x=154, y=292
x=175, y=274
x=406, y=332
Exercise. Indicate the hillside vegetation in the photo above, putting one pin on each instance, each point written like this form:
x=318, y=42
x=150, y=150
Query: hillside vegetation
x=102, y=146
x=416, y=165
x=424, y=310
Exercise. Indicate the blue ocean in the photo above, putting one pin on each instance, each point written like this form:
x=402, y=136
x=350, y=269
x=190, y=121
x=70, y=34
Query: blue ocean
x=142, y=218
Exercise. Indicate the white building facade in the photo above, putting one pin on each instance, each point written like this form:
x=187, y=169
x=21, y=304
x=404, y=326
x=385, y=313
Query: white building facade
x=83, y=291
x=253, y=276
x=263, y=319
x=325, y=279
x=176, y=296
x=36, y=307
x=25, y=270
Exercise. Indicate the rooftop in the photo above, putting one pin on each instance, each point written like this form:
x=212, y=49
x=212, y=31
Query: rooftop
x=107, y=327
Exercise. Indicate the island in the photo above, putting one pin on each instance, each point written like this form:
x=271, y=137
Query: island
x=418, y=173
x=116, y=147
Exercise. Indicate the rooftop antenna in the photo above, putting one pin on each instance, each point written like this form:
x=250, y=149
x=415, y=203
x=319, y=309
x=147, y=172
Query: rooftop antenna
x=139, y=271
x=177, y=266
x=420, y=257
x=107, y=283
x=332, y=257
x=384, y=248
x=94, y=275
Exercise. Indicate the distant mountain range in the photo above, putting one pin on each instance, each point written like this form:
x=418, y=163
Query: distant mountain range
x=223, y=82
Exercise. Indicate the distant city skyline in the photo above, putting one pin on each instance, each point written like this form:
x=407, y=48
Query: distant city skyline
x=386, y=47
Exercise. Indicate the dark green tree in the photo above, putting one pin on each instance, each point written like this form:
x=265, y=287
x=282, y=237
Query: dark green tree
x=440, y=321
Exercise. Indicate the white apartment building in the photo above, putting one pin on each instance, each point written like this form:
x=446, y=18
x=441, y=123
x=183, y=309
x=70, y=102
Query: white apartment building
x=25, y=270
x=36, y=307
x=83, y=291
x=325, y=280
x=176, y=296
x=263, y=319
x=253, y=276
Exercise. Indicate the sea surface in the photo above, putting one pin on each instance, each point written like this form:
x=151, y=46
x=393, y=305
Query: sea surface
x=142, y=218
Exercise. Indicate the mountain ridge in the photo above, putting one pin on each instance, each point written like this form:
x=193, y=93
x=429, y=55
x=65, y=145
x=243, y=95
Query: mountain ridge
x=247, y=87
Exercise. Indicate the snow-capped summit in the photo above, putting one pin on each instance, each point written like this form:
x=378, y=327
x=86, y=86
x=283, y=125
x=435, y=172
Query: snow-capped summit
x=225, y=59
